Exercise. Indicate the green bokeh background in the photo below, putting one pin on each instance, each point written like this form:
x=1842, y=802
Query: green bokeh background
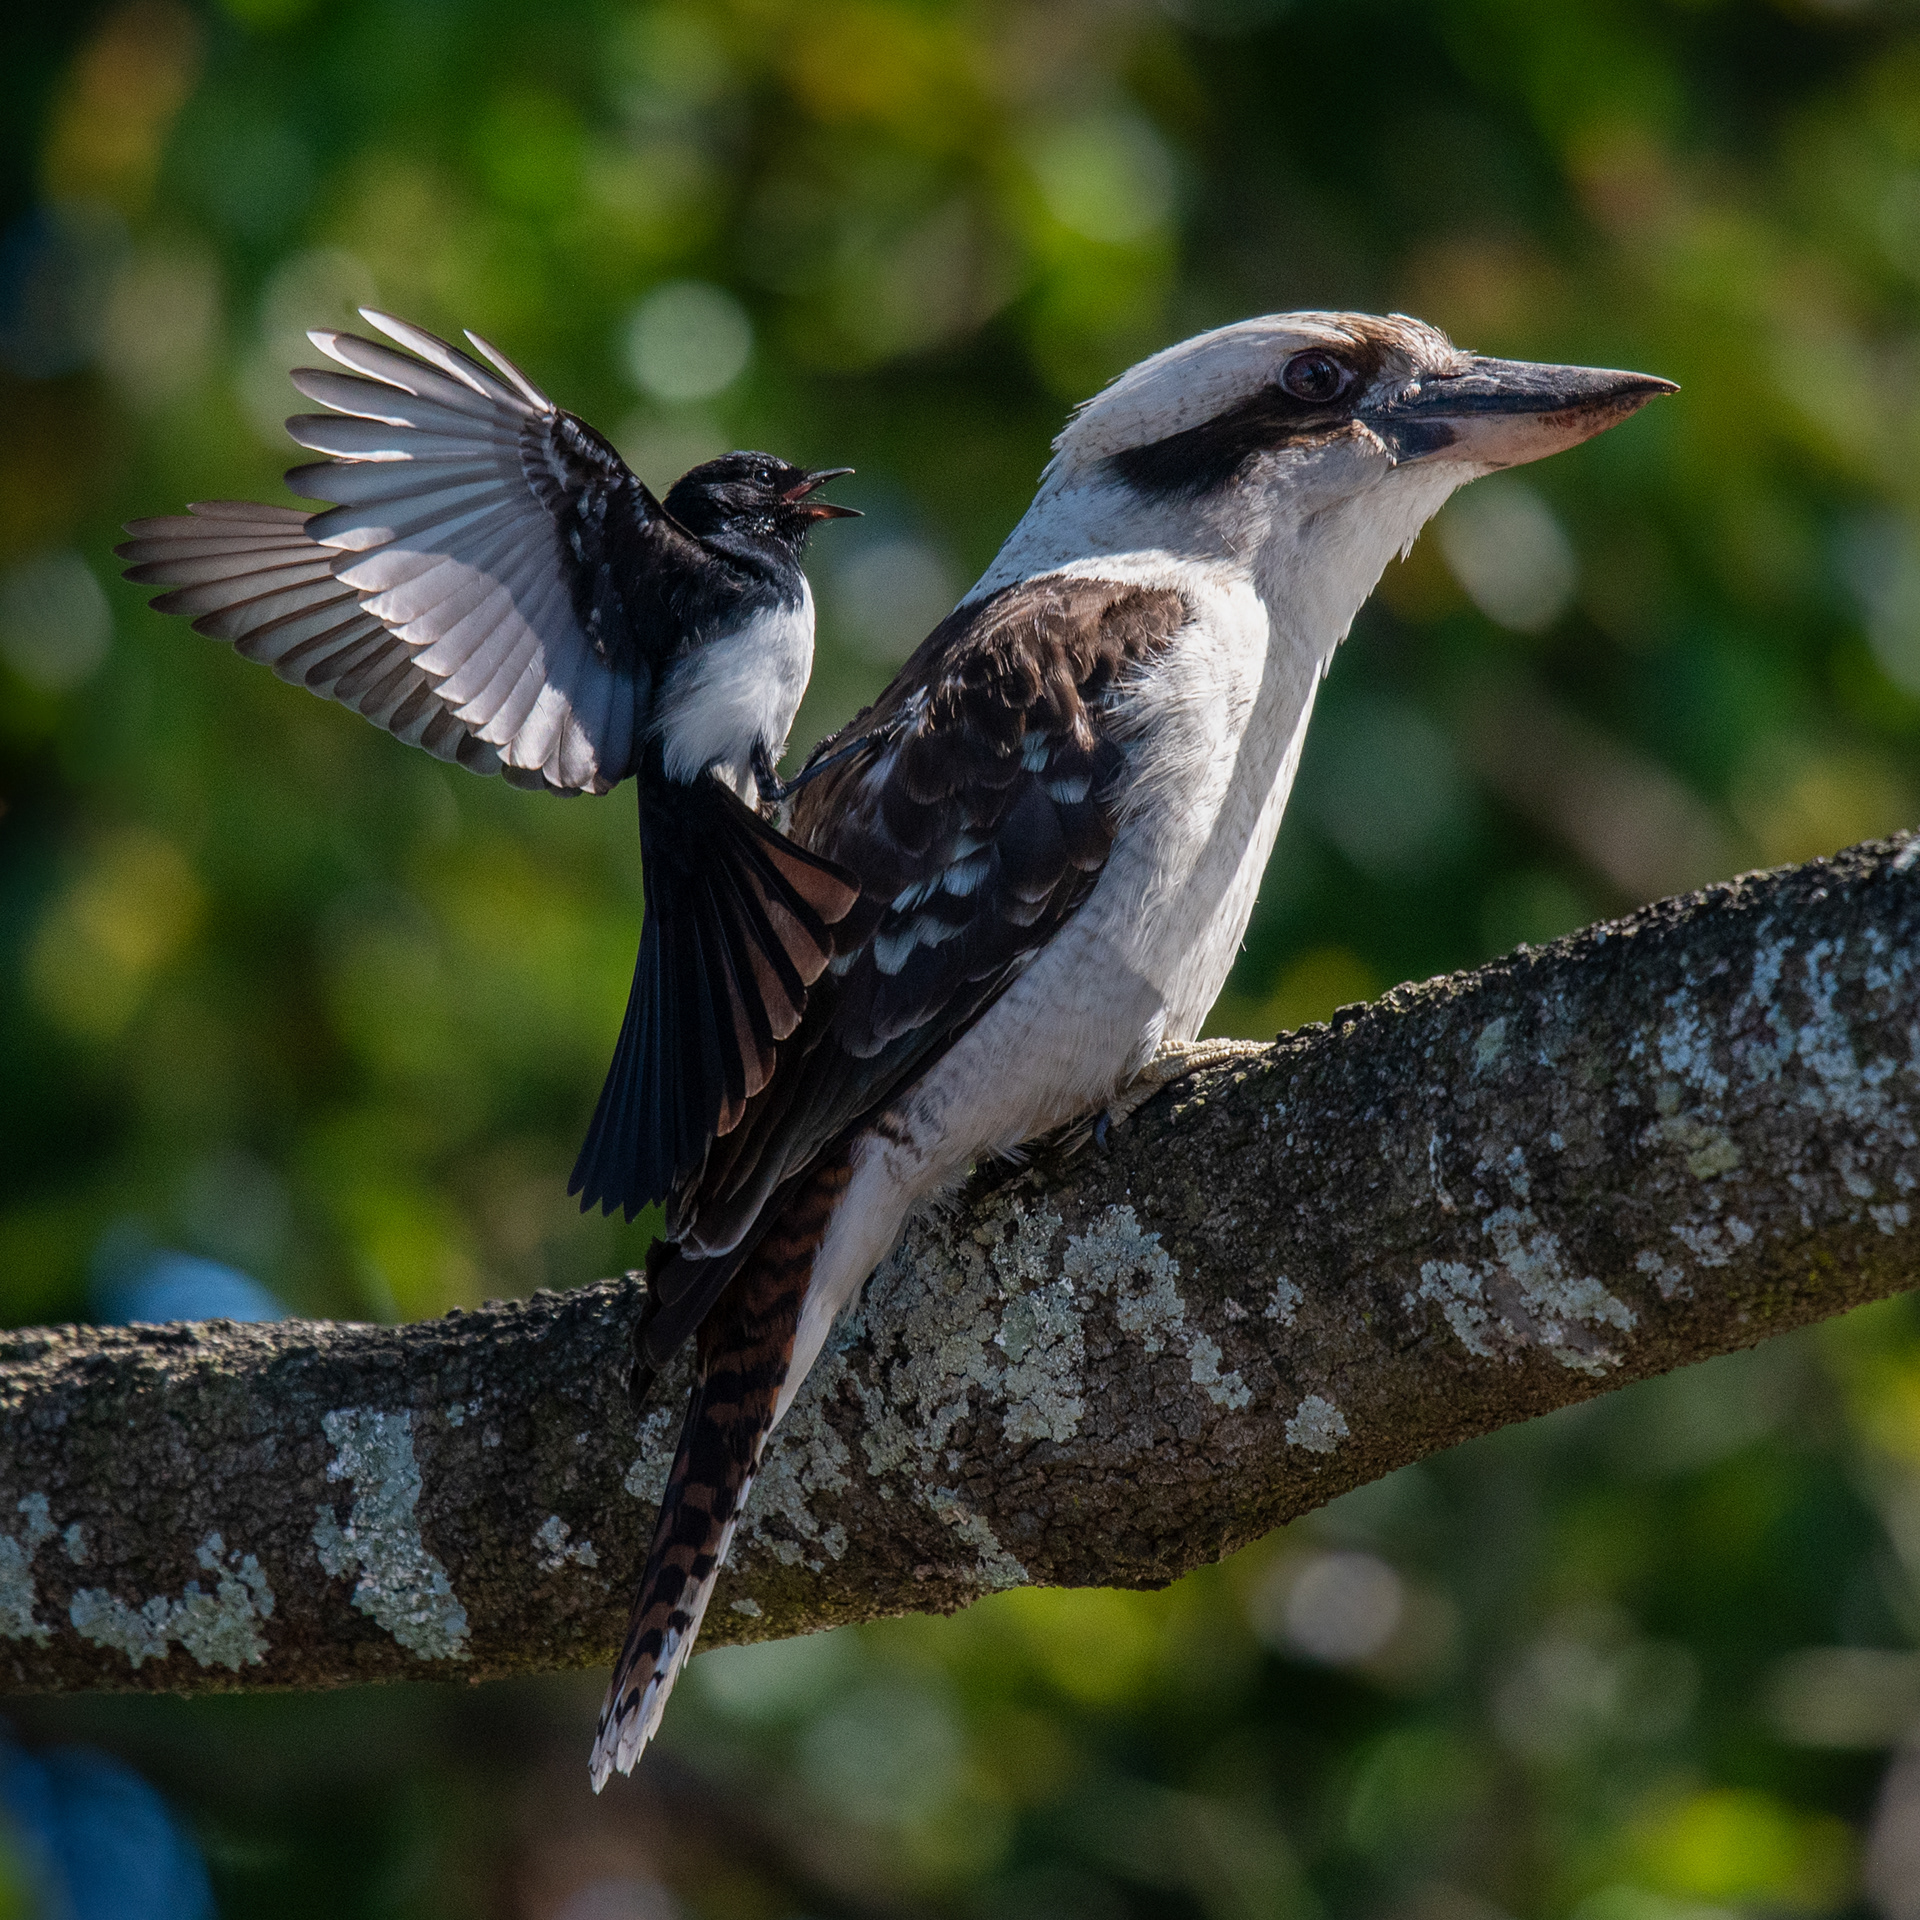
x=276, y=991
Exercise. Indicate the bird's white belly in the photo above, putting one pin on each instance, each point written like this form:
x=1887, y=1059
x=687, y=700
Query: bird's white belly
x=736, y=692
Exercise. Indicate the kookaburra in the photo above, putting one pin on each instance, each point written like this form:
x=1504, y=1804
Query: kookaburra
x=494, y=584
x=1058, y=814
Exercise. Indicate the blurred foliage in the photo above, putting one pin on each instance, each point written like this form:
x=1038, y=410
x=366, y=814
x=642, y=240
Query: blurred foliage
x=275, y=992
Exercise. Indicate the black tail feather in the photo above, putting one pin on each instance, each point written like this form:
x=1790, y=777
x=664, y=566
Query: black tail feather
x=736, y=930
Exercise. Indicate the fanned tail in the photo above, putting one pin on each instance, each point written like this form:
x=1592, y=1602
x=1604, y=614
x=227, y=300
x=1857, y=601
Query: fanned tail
x=736, y=931
x=746, y=1347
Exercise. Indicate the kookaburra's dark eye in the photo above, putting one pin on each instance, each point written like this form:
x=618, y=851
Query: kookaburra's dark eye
x=1316, y=377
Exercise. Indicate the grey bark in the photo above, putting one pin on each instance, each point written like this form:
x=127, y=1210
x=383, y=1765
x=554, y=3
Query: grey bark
x=1472, y=1202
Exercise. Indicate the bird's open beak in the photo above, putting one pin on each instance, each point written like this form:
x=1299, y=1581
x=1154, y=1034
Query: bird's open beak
x=796, y=496
x=1503, y=413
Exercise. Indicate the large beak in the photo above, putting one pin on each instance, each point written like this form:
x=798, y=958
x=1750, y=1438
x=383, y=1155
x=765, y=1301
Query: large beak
x=1503, y=413
x=796, y=496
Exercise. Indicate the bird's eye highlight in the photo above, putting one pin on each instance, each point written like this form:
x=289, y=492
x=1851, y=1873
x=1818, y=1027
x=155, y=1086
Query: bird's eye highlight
x=1316, y=377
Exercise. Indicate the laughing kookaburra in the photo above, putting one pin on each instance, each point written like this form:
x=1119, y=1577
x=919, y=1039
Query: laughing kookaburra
x=1058, y=815
x=494, y=584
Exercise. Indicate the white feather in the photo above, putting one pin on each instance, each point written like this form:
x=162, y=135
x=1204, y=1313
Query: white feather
x=737, y=691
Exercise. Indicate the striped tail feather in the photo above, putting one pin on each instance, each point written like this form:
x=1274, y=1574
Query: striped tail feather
x=746, y=1348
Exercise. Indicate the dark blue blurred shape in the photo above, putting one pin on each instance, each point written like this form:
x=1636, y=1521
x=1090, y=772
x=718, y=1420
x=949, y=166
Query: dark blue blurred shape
x=57, y=265
x=96, y=1842
x=163, y=1285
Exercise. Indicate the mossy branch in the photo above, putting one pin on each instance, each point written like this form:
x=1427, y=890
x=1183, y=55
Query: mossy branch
x=1470, y=1203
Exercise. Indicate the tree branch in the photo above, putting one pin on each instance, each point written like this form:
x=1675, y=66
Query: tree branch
x=1477, y=1200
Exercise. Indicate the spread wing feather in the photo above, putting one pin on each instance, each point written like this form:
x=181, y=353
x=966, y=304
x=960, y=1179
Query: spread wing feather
x=487, y=581
x=977, y=820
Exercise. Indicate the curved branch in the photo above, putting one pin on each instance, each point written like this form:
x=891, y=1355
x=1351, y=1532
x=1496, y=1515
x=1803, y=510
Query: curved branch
x=1472, y=1202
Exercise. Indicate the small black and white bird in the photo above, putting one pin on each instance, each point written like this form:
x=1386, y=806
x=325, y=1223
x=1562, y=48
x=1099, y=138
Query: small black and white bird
x=492, y=583
x=1059, y=813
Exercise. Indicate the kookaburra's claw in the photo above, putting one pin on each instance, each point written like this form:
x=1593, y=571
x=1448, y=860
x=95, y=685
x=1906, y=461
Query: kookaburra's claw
x=1175, y=1061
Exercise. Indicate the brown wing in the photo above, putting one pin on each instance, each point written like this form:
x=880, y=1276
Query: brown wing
x=977, y=821
x=485, y=584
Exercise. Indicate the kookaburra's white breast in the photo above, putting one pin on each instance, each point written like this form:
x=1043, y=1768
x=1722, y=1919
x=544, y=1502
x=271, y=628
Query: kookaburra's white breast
x=1216, y=726
x=1217, y=723
x=738, y=691
x=1212, y=727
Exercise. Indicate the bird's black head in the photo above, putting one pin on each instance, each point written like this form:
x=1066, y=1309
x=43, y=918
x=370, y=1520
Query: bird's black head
x=753, y=498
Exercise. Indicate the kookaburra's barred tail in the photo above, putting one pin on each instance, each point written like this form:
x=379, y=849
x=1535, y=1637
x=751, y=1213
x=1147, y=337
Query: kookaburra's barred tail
x=746, y=1347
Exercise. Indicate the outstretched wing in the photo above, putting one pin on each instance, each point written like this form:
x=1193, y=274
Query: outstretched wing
x=491, y=582
x=977, y=821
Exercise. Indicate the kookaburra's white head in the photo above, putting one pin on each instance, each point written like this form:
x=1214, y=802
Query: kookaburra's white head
x=1306, y=447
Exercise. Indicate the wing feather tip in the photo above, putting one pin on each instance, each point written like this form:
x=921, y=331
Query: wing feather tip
x=528, y=391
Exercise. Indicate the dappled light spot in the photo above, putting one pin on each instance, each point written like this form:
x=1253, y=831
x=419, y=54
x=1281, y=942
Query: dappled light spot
x=687, y=341
x=319, y=287
x=1341, y=1608
x=1107, y=176
x=131, y=909
x=889, y=594
x=1509, y=551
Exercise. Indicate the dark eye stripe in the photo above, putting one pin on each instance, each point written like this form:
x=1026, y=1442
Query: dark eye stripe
x=1211, y=454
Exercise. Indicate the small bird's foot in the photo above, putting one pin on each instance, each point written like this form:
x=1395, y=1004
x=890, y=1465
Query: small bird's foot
x=771, y=788
x=775, y=792
x=1172, y=1063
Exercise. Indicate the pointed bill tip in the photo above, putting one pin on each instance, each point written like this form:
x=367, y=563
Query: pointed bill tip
x=799, y=495
x=811, y=480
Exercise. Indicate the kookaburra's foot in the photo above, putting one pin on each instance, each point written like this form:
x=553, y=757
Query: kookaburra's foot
x=1175, y=1061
